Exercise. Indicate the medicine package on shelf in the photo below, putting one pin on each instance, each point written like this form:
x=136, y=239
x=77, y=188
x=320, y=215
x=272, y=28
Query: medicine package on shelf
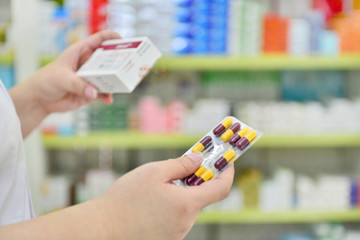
x=220, y=147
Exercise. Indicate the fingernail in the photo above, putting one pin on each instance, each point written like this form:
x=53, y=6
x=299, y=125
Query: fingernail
x=108, y=100
x=196, y=157
x=91, y=92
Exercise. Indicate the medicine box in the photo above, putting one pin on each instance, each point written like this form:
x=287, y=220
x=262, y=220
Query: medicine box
x=118, y=66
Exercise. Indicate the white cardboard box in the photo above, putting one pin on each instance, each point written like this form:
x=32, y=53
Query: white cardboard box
x=118, y=66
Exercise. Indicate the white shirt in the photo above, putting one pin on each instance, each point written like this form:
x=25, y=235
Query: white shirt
x=15, y=198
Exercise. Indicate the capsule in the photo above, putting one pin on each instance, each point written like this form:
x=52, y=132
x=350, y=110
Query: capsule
x=225, y=159
x=246, y=140
x=222, y=126
x=202, y=144
x=230, y=132
x=206, y=176
x=190, y=179
x=238, y=135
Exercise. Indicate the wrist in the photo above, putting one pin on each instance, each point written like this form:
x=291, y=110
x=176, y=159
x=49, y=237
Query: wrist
x=28, y=98
x=107, y=218
x=28, y=107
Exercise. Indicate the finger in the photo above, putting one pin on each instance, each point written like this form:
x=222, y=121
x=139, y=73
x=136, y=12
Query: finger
x=107, y=98
x=179, y=168
x=79, y=101
x=83, y=89
x=96, y=39
x=80, y=87
x=90, y=44
x=214, y=190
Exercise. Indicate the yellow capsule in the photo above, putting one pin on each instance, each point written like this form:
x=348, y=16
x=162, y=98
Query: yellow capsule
x=234, y=139
x=229, y=155
x=207, y=175
x=198, y=147
x=227, y=122
x=200, y=171
x=202, y=144
x=246, y=140
x=251, y=135
x=230, y=132
x=243, y=131
x=193, y=177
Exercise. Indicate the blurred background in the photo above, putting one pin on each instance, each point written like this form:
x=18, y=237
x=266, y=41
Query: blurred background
x=289, y=68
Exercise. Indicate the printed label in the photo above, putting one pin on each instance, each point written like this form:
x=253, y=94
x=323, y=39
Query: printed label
x=126, y=45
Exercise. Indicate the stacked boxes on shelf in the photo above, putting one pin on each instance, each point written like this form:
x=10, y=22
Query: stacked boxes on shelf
x=292, y=118
x=110, y=118
x=275, y=34
x=201, y=27
x=232, y=27
x=348, y=29
x=293, y=192
x=245, y=27
x=312, y=106
x=142, y=18
x=241, y=86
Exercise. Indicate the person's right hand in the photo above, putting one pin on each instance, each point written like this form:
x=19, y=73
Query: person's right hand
x=145, y=204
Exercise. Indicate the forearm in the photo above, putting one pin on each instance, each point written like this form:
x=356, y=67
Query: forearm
x=85, y=221
x=28, y=107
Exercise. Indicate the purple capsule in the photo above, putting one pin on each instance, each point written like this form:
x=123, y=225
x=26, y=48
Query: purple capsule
x=230, y=132
x=242, y=143
x=219, y=129
x=189, y=180
x=205, y=142
x=207, y=175
x=234, y=139
x=235, y=127
x=238, y=135
x=222, y=126
x=221, y=163
x=198, y=181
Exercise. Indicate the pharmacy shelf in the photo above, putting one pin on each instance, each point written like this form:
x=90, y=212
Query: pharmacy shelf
x=133, y=140
x=128, y=140
x=266, y=62
x=6, y=58
x=46, y=60
x=293, y=217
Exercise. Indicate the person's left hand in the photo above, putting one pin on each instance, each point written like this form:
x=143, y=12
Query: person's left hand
x=58, y=87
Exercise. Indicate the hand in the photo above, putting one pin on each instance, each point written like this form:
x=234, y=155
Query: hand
x=143, y=204
x=146, y=204
x=58, y=87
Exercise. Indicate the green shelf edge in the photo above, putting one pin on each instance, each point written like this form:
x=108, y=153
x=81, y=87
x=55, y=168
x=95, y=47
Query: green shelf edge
x=293, y=217
x=119, y=140
x=131, y=140
x=46, y=60
x=266, y=62
x=6, y=58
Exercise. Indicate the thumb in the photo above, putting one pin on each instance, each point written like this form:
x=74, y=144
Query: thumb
x=182, y=167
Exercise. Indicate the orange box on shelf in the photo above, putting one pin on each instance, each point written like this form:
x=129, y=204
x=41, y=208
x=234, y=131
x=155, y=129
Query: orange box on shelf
x=275, y=34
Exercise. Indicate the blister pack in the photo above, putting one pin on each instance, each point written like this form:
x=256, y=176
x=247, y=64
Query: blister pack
x=220, y=147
